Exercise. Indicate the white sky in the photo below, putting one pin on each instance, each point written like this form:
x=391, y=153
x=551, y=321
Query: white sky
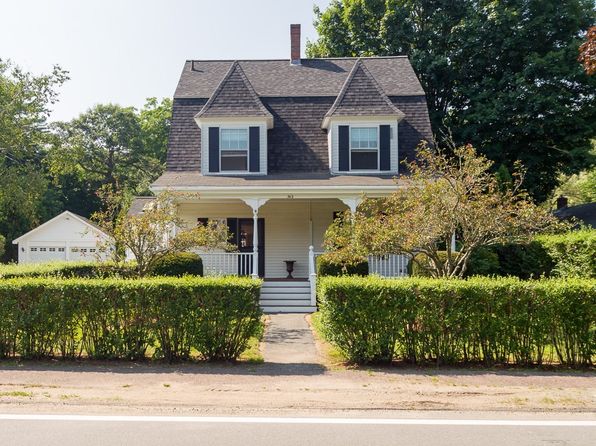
x=125, y=51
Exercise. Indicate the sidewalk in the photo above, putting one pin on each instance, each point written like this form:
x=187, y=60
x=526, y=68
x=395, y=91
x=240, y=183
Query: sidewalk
x=289, y=340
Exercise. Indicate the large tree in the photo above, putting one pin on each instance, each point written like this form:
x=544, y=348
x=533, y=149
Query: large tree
x=500, y=74
x=25, y=103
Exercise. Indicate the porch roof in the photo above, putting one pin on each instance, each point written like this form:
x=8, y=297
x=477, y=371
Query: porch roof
x=286, y=182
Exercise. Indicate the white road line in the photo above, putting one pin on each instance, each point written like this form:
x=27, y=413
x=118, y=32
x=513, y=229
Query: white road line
x=304, y=420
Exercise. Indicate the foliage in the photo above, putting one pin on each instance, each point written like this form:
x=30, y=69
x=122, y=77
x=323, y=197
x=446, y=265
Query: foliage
x=570, y=254
x=2, y=242
x=341, y=263
x=178, y=264
x=484, y=320
x=90, y=270
x=445, y=194
x=25, y=103
x=579, y=188
x=155, y=120
x=502, y=75
x=105, y=146
x=117, y=318
x=158, y=231
x=573, y=253
x=587, y=51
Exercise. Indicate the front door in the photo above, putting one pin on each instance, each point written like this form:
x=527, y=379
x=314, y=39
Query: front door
x=242, y=236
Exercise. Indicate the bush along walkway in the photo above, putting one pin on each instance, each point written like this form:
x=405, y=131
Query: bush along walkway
x=289, y=340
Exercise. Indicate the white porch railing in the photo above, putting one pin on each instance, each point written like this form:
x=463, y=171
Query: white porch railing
x=389, y=265
x=227, y=263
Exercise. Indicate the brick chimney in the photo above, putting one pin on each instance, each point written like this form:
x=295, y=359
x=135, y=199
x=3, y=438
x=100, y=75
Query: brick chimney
x=562, y=202
x=295, y=44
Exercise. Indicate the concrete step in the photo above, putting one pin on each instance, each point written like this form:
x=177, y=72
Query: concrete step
x=282, y=297
x=289, y=309
x=288, y=291
x=286, y=284
x=284, y=302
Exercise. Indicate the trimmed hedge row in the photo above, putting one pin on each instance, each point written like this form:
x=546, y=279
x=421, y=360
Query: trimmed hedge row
x=119, y=318
x=484, y=320
x=90, y=270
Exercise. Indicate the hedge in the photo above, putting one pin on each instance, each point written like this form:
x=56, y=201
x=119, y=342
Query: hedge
x=119, y=318
x=95, y=270
x=502, y=320
x=571, y=254
x=341, y=264
x=178, y=264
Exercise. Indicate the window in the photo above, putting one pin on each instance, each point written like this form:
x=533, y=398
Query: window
x=52, y=249
x=91, y=249
x=60, y=249
x=364, y=148
x=233, y=148
x=33, y=249
x=43, y=249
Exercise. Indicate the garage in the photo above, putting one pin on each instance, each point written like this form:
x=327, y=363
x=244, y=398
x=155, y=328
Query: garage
x=66, y=237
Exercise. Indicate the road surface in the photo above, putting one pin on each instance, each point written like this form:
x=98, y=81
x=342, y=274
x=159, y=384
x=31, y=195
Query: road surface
x=66, y=430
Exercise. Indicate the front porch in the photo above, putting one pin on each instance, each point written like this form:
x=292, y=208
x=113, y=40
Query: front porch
x=287, y=230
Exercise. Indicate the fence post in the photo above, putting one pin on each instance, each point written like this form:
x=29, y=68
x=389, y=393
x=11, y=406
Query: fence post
x=312, y=276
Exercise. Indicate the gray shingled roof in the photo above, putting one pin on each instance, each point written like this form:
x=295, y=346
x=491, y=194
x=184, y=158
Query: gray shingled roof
x=234, y=96
x=361, y=95
x=314, y=77
x=138, y=204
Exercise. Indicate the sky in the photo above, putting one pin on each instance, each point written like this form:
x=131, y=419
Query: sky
x=123, y=51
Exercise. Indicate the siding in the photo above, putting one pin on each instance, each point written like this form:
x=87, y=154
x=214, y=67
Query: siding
x=287, y=228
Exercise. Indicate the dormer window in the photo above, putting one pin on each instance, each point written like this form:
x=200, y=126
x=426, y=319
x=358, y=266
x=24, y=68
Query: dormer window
x=364, y=148
x=234, y=150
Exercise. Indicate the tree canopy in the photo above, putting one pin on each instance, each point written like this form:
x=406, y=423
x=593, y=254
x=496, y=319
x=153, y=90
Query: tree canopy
x=502, y=75
x=47, y=167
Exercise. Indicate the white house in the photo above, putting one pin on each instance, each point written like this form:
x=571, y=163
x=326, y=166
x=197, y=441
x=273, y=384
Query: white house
x=275, y=148
x=66, y=237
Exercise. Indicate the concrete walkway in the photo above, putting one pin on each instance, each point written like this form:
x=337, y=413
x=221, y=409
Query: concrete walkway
x=288, y=340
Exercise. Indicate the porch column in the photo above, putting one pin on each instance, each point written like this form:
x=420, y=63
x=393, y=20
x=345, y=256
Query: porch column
x=352, y=203
x=255, y=204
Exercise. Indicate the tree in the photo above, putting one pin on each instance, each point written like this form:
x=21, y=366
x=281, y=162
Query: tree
x=587, y=52
x=155, y=119
x=502, y=75
x=157, y=231
x=579, y=188
x=25, y=102
x=445, y=194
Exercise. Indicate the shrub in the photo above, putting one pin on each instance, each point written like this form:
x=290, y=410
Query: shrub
x=501, y=320
x=340, y=263
x=483, y=261
x=573, y=253
x=178, y=264
x=91, y=270
x=118, y=318
x=524, y=260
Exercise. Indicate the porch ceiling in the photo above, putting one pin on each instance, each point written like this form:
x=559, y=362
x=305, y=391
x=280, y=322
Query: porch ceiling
x=302, y=185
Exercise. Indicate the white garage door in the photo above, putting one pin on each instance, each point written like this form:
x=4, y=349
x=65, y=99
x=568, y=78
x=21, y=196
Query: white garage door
x=46, y=253
x=83, y=253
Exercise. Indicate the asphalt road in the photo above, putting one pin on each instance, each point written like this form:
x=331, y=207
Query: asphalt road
x=148, y=431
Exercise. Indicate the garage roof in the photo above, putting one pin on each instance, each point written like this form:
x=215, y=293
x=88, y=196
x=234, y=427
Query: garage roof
x=83, y=220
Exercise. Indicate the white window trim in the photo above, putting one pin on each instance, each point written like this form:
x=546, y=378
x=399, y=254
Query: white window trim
x=235, y=127
x=358, y=149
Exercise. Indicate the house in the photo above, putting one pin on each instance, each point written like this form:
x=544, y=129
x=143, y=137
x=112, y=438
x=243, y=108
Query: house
x=582, y=214
x=66, y=237
x=275, y=148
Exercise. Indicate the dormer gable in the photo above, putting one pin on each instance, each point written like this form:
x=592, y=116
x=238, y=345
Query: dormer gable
x=361, y=96
x=234, y=97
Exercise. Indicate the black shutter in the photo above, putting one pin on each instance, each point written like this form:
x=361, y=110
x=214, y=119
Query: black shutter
x=344, y=148
x=254, y=146
x=213, y=149
x=385, y=147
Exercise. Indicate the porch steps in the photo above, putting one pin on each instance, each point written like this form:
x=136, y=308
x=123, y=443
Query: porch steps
x=286, y=296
